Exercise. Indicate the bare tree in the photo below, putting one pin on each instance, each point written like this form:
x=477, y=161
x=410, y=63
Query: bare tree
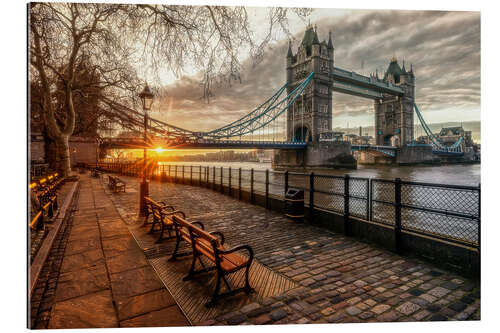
x=105, y=42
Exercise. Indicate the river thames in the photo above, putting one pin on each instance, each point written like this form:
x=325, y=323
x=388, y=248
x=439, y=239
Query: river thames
x=456, y=174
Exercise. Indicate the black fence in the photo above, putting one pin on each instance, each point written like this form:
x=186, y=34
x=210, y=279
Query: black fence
x=448, y=212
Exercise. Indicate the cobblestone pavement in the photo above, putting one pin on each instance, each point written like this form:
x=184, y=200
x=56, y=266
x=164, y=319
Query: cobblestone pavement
x=341, y=279
x=100, y=277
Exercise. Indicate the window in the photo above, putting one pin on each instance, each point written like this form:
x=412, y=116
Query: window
x=323, y=89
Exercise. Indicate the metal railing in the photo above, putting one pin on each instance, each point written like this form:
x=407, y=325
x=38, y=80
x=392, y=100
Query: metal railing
x=449, y=212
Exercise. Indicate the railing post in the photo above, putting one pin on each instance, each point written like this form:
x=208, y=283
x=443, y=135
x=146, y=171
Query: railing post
x=229, y=182
x=267, y=188
x=222, y=180
x=213, y=180
x=479, y=229
x=199, y=177
x=169, y=173
x=369, y=200
x=183, y=178
x=239, y=184
x=311, y=197
x=397, y=222
x=191, y=180
x=251, y=185
x=286, y=181
x=347, y=230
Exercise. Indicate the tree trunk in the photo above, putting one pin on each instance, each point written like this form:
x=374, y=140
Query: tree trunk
x=50, y=152
x=63, y=155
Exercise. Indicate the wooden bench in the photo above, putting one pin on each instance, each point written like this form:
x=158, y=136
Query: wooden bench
x=116, y=184
x=95, y=173
x=208, y=245
x=44, y=202
x=161, y=213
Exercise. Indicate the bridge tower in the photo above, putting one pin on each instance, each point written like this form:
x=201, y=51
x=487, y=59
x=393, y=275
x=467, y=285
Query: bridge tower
x=394, y=114
x=311, y=114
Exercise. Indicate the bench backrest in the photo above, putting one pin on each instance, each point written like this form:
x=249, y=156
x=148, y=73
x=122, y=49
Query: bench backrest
x=197, y=235
x=154, y=207
x=151, y=202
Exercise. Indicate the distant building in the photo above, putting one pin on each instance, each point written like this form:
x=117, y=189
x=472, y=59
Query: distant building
x=355, y=139
x=331, y=136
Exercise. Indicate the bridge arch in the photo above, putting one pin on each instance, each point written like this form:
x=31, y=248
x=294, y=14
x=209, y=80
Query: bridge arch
x=391, y=140
x=302, y=134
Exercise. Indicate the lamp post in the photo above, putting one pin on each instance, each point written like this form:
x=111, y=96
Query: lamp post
x=147, y=100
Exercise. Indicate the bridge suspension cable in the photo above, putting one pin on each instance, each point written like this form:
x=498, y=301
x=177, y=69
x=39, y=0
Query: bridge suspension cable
x=263, y=115
x=268, y=117
x=436, y=142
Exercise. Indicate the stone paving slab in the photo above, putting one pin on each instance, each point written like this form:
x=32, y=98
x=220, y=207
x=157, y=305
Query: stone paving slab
x=104, y=279
x=341, y=279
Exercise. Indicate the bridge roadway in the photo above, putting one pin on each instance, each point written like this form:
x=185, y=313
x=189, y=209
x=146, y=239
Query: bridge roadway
x=135, y=143
x=352, y=83
x=202, y=144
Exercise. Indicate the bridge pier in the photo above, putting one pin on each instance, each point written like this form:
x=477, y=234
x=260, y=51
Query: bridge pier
x=316, y=155
x=408, y=155
x=366, y=157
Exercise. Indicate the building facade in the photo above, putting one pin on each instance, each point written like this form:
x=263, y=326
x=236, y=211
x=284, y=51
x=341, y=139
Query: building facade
x=311, y=113
x=394, y=114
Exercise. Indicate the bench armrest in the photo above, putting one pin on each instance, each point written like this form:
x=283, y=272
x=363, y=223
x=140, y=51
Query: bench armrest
x=220, y=235
x=239, y=248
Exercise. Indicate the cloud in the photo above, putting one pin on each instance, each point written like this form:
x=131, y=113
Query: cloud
x=444, y=48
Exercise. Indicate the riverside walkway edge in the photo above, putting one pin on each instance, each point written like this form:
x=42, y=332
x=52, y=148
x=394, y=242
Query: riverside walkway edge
x=42, y=254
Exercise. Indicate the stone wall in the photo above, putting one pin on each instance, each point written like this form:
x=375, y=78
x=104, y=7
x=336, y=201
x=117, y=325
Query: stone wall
x=36, y=148
x=317, y=154
x=413, y=155
x=82, y=150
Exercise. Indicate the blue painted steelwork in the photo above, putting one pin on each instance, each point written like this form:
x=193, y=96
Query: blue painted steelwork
x=437, y=145
x=363, y=86
x=344, y=81
x=201, y=144
x=261, y=116
x=387, y=150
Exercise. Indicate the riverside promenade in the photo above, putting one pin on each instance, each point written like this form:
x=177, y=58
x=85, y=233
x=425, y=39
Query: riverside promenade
x=337, y=278
x=113, y=274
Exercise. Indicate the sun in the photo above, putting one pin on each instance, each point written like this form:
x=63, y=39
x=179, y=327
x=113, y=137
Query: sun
x=159, y=150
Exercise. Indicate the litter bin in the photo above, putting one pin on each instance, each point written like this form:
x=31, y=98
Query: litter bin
x=294, y=204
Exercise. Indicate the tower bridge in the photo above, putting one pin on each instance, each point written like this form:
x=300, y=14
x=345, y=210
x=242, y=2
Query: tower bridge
x=295, y=118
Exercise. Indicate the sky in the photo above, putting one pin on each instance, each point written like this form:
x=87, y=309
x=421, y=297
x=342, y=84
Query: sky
x=443, y=47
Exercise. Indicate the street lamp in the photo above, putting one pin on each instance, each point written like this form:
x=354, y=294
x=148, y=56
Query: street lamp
x=147, y=100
